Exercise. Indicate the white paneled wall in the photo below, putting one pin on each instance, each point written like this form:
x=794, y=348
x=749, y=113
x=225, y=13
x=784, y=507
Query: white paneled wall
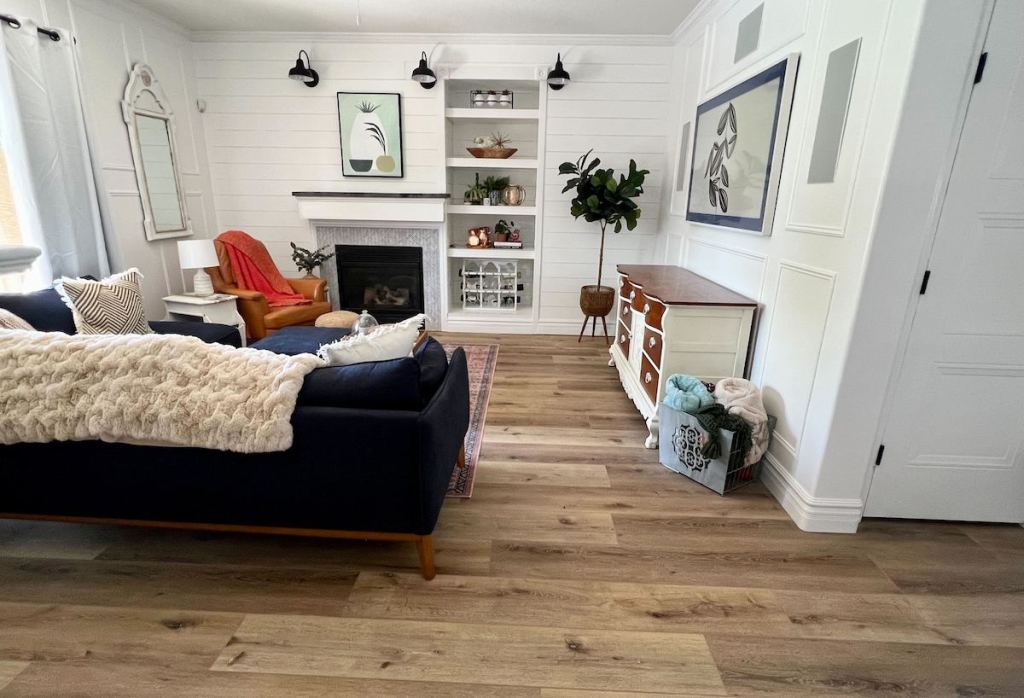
x=807, y=273
x=112, y=37
x=268, y=136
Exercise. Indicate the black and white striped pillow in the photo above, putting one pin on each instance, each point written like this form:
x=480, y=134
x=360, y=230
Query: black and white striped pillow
x=111, y=306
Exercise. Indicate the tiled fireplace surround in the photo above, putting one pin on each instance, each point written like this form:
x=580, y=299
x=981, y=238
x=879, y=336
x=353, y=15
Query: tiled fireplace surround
x=385, y=235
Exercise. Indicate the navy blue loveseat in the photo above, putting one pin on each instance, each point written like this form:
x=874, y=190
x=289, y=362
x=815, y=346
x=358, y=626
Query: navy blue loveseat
x=375, y=445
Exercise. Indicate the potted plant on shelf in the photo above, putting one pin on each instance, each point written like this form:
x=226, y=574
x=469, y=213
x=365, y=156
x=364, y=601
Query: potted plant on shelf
x=503, y=229
x=476, y=193
x=307, y=260
x=601, y=199
x=494, y=187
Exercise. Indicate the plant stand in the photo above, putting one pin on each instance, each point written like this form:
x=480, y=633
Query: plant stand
x=596, y=302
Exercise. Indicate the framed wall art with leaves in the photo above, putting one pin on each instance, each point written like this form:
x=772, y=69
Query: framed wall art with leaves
x=370, y=125
x=738, y=142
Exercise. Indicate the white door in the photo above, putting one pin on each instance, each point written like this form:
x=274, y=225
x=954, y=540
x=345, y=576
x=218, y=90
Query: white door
x=954, y=443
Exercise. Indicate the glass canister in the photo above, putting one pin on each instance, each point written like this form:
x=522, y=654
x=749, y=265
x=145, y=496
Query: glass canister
x=364, y=324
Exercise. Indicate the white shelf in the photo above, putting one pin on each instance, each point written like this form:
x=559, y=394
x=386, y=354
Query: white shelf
x=492, y=114
x=512, y=163
x=523, y=313
x=491, y=210
x=491, y=253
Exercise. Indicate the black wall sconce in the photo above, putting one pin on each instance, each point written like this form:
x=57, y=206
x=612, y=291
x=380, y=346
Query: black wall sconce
x=423, y=74
x=558, y=78
x=304, y=73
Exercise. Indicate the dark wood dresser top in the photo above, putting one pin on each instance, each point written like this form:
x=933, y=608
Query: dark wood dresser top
x=677, y=286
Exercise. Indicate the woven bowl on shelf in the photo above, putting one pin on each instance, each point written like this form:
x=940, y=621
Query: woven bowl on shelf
x=492, y=153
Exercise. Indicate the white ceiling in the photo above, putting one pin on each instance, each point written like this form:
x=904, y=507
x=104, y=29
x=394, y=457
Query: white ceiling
x=620, y=17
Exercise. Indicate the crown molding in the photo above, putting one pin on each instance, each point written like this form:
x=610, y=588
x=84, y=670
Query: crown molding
x=558, y=40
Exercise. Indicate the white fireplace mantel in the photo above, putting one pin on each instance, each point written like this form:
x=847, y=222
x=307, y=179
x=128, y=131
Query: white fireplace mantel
x=358, y=207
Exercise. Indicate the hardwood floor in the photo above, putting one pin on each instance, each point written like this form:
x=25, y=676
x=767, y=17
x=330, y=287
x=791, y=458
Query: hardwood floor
x=579, y=566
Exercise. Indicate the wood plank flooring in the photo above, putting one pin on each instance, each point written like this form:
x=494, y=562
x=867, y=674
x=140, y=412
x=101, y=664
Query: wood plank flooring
x=580, y=567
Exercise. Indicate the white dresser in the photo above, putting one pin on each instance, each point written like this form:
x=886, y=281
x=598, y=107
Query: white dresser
x=671, y=320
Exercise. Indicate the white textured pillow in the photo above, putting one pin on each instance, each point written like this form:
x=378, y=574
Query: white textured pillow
x=384, y=343
x=111, y=306
x=10, y=321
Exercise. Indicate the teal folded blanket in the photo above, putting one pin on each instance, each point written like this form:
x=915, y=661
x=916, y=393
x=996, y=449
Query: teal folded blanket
x=687, y=393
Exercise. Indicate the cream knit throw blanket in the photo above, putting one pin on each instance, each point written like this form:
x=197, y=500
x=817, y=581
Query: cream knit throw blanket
x=165, y=389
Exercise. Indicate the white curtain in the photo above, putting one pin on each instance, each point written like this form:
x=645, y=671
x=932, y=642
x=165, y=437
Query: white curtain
x=42, y=126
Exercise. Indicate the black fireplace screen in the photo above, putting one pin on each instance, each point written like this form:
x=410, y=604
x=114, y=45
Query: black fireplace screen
x=386, y=281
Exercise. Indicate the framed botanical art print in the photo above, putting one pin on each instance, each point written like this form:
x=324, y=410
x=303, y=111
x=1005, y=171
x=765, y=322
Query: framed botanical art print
x=738, y=141
x=370, y=125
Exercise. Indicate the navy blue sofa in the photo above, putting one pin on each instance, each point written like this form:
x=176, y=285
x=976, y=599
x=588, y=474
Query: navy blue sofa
x=374, y=448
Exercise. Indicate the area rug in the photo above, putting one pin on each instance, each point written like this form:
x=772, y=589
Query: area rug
x=481, y=359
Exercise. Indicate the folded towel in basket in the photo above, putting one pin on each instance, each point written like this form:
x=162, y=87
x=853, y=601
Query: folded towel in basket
x=742, y=398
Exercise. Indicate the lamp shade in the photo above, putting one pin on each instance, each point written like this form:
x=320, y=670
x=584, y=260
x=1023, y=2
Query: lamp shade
x=559, y=77
x=423, y=74
x=197, y=254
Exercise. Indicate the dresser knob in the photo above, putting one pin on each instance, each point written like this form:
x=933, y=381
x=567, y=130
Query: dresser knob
x=632, y=295
x=625, y=310
x=622, y=339
x=651, y=342
x=647, y=307
x=647, y=377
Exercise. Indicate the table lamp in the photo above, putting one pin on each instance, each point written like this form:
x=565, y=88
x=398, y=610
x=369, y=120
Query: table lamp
x=198, y=254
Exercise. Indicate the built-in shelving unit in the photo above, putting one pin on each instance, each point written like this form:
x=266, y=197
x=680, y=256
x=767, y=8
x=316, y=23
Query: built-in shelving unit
x=524, y=127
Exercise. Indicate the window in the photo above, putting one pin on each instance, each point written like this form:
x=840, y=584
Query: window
x=9, y=232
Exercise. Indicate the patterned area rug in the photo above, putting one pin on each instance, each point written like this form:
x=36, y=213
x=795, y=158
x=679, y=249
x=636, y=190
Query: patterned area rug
x=481, y=359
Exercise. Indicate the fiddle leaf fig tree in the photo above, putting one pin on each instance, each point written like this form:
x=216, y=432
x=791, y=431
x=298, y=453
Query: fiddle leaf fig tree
x=602, y=198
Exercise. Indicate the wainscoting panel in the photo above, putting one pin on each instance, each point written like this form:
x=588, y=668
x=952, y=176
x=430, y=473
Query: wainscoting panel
x=803, y=299
x=825, y=210
x=741, y=270
x=781, y=23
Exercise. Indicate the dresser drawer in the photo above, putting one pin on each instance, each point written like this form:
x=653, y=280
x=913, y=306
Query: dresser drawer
x=624, y=310
x=652, y=345
x=654, y=312
x=638, y=299
x=626, y=289
x=622, y=337
x=649, y=378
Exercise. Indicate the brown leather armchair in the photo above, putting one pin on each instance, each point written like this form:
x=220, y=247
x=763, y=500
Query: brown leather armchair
x=260, y=319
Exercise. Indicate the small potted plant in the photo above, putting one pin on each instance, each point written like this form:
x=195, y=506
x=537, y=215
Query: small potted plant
x=601, y=199
x=503, y=229
x=476, y=194
x=495, y=186
x=307, y=260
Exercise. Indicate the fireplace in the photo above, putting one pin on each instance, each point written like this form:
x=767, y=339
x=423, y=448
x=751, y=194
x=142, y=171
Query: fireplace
x=385, y=281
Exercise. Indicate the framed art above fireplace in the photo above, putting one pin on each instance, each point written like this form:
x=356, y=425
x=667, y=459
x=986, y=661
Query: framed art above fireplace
x=370, y=129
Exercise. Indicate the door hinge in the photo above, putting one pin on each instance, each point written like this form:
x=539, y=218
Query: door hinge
x=980, y=71
x=881, y=450
x=924, y=281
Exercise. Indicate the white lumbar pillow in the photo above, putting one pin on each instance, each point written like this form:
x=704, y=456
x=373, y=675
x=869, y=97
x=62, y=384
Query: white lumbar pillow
x=380, y=344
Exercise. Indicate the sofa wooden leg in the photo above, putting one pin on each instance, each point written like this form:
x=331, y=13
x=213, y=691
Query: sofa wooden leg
x=425, y=548
x=461, y=461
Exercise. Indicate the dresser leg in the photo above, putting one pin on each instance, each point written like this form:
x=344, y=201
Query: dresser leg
x=652, y=429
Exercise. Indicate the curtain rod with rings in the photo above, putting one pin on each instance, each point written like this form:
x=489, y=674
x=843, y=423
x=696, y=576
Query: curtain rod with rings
x=13, y=21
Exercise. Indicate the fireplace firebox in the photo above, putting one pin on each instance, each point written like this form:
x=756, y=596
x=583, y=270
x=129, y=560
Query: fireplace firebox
x=386, y=281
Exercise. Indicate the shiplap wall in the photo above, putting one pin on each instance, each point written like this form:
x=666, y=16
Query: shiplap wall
x=268, y=136
x=112, y=37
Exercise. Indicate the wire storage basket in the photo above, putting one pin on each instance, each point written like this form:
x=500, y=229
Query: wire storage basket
x=679, y=448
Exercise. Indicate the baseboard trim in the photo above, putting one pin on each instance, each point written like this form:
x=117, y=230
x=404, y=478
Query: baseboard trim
x=814, y=514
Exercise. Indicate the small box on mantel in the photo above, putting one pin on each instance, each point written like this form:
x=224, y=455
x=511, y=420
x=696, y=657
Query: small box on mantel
x=679, y=449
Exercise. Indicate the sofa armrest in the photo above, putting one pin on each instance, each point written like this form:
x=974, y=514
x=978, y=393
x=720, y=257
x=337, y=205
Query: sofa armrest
x=312, y=288
x=442, y=429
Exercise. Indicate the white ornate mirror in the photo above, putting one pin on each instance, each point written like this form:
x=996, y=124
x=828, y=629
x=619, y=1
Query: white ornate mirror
x=150, y=121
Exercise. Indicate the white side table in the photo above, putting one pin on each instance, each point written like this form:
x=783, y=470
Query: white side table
x=219, y=308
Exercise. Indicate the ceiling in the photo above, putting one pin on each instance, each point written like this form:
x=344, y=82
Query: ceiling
x=618, y=17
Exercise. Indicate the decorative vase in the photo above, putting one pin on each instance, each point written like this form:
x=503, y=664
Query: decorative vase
x=310, y=274
x=495, y=197
x=513, y=195
x=596, y=300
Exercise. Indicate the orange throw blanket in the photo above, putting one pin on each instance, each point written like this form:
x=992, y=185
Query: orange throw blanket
x=254, y=270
